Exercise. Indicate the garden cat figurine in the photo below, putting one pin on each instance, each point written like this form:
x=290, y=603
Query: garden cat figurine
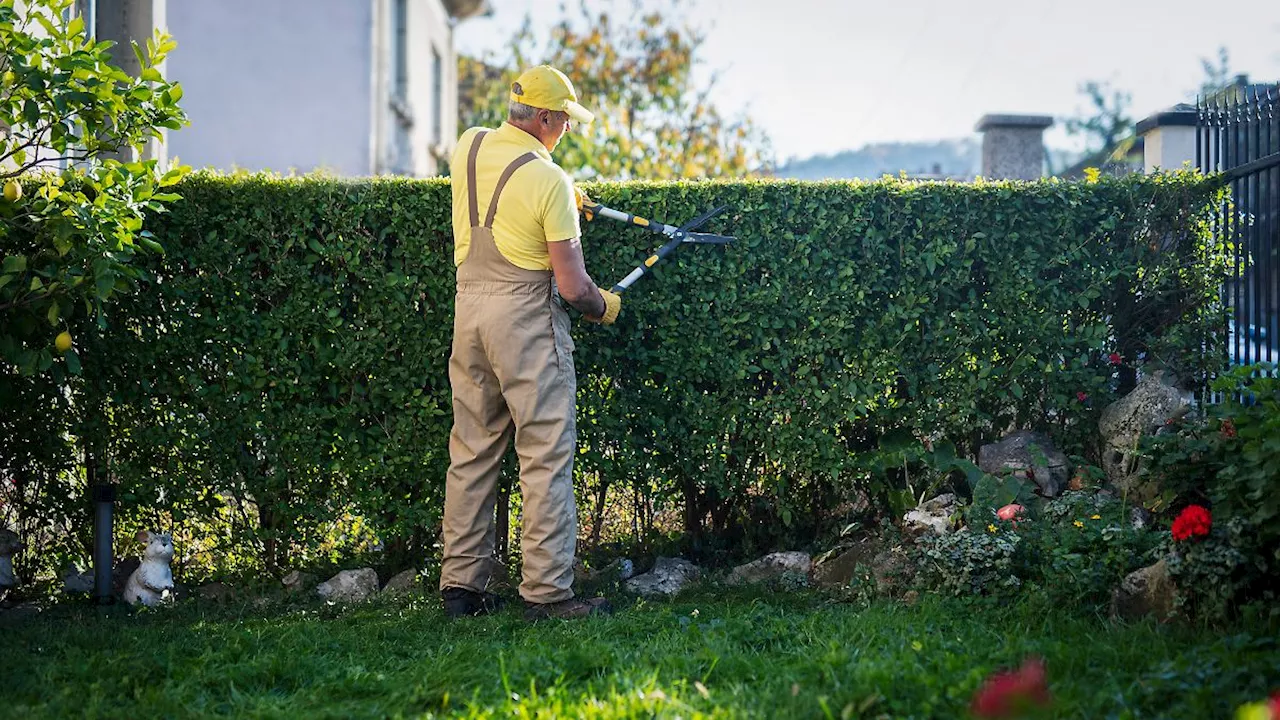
x=152, y=583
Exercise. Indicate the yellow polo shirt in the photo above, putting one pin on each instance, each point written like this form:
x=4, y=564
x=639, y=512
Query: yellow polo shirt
x=537, y=205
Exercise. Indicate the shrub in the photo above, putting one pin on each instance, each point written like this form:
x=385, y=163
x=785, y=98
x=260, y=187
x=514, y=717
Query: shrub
x=1217, y=574
x=1228, y=457
x=974, y=561
x=278, y=392
x=1083, y=546
x=1225, y=459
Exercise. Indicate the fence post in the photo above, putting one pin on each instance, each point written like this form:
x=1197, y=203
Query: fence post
x=1168, y=138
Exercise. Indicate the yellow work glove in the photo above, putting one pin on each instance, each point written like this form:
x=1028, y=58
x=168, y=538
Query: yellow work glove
x=583, y=202
x=612, y=306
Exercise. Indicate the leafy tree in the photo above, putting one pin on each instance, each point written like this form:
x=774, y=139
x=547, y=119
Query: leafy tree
x=1217, y=75
x=72, y=210
x=654, y=119
x=1107, y=120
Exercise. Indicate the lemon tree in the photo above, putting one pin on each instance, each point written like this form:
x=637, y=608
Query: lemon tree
x=73, y=199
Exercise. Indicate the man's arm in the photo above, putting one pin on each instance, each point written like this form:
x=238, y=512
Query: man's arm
x=575, y=285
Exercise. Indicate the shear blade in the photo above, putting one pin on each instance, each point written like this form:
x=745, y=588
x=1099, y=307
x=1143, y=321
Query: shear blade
x=708, y=239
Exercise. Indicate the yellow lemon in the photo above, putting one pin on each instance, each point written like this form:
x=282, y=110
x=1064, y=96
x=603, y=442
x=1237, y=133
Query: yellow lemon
x=12, y=191
x=63, y=341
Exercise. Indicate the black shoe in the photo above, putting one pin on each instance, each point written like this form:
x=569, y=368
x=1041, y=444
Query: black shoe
x=571, y=609
x=460, y=602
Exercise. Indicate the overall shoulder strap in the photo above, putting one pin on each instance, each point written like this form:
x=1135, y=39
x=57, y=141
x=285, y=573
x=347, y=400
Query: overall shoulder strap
x=472, y=202
x=502, y=181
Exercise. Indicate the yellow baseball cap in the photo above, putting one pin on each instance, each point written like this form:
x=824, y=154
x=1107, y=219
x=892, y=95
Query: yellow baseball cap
x=547, y=88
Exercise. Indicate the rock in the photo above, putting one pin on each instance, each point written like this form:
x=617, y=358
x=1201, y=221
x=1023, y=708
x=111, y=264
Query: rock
x=605, y=580
x=404, y=582
x=215, y=592
x=1146, y=410
x=1017, y=452
x=838, y=570
x=946, y=502
x=933, y=516
x=771, y=567
x=297, y=581
x=78, y=581
x=350, y=586
x=124, y=569
x=668, y=577
x=1139, y=517
x=621, y=569
x=1149, y=591
x=21, y=611
x=910, y=598
x=617, y=570
x=889, y=568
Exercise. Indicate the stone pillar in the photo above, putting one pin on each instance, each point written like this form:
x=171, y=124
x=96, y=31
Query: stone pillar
x=1169, y=138
x=1013, y=146
x=125, y=22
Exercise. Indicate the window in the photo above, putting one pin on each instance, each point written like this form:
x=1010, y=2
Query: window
x=437, y=97
x=400, y=151
x=400, y=49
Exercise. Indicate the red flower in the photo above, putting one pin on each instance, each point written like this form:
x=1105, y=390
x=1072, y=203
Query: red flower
x=1082, y=396
x=1012, y=511
x=1228, y=428
x=1274, y=704
x=1010, y=693
x=1115, y=358
x=1193, y=521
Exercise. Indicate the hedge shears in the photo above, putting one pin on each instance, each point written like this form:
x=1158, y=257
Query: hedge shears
x=677, y=235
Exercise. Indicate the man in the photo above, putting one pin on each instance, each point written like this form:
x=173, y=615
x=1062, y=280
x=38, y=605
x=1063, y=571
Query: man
x=516, y=240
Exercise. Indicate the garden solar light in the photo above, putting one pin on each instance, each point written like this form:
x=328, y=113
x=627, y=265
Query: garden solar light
x=678, y=235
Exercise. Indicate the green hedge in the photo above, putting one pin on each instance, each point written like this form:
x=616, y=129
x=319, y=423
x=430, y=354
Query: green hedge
x=277, y=390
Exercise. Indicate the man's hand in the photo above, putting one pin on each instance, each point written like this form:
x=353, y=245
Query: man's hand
x=612, y=306
x=583, y=202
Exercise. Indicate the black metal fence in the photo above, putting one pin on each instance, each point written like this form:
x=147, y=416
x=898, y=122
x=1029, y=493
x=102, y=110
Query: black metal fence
x=1238, y=134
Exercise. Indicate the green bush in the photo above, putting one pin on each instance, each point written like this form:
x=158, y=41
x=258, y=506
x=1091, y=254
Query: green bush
x=1082, y=546
x=277, y=392
x=974, y=561
x=1218, y=575
x=1226, y=459
x=1074, y=550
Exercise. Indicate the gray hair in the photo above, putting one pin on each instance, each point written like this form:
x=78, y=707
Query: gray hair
x=520, y=112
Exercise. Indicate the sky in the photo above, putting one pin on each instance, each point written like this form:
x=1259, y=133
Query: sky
x=821, y=76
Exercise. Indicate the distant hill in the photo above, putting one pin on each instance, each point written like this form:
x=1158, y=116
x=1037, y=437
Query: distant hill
x=957, y=159
x=960, y=158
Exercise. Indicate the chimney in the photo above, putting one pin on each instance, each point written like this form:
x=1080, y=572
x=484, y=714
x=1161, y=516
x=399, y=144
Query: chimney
x=1013, y=146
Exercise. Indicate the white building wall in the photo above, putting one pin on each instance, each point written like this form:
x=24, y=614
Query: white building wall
x=274, y=84
x=434, y=114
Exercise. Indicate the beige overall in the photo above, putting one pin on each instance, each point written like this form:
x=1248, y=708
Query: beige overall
x=511, y=372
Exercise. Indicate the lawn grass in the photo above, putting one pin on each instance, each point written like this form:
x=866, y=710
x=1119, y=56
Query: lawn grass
x=707, y=655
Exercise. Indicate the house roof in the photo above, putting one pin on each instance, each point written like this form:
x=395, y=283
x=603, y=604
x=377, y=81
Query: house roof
x=1122, y=158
